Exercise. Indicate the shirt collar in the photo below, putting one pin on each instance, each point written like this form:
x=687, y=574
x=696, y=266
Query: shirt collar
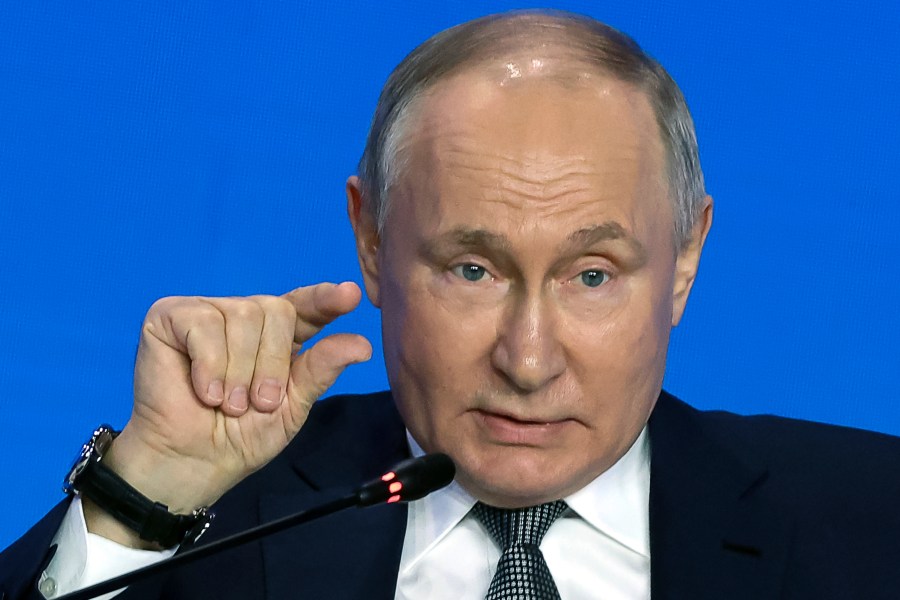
x=431, y=518
x=616, y=503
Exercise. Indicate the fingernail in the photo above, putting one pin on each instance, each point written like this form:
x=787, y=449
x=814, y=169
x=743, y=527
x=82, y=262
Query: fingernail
x=270, y=391
x=238, y=398
x=215, y=392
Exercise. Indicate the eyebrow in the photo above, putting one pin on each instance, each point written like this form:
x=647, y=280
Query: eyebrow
x=476, y=238
x=463, y=239
x=482, y=239
x=607, y=231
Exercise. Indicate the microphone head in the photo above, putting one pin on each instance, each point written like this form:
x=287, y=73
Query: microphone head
x=409, y=480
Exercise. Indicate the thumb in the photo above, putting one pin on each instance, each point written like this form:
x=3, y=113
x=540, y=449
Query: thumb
x=316, y=369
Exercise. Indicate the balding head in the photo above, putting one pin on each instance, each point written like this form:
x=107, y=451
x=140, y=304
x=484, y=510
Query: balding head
x=525, y=272
x=566, y=49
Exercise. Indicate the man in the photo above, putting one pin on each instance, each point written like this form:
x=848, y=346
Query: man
x=529, y=217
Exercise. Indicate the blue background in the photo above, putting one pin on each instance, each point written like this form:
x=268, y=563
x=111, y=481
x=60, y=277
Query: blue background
x=181, y=147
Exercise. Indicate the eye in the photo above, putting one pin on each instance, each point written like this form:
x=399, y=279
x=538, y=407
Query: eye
x=594, y=278
x=470, y=272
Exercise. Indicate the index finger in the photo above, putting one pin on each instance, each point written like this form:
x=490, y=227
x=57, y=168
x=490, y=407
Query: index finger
x=318, y=305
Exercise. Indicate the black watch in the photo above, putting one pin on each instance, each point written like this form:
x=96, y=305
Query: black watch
x=151, y=520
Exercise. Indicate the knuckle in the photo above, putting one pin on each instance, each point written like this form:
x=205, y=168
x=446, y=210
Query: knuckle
x=185, y=309
x=162, y=306
x=202, y=314
x=198, y=323
x=277, y=307
x=206, y=315
x=245, y=310
x=286, y=310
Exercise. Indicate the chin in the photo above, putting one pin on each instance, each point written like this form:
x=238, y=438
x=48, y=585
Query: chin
x=515, y=481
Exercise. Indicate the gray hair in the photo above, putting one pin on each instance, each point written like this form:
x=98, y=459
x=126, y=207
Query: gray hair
x=479, y=41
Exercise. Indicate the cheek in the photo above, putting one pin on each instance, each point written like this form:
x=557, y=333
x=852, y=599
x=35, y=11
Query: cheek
x=436, y=347
x=437, y=360
x=452, y=321
x=622, y=350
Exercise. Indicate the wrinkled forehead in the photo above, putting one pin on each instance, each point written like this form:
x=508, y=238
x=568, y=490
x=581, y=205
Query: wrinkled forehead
x=540, y=108
x=510, y=141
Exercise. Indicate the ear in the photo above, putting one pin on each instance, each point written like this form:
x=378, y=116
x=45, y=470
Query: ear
x=688, y=260
x=365, y=230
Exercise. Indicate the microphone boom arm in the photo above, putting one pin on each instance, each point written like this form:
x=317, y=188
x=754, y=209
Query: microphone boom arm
x=410, y=480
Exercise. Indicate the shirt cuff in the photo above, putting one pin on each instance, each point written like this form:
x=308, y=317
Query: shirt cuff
x=84, y=558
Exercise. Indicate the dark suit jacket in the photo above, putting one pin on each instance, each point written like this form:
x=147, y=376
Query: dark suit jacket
x=740, y=508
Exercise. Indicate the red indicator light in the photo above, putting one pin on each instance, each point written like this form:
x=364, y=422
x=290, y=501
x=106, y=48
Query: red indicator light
x=395, y=498
x=395, y=487
x=388, y=476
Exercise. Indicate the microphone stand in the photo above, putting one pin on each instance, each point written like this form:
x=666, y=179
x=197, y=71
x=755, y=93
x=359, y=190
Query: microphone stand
x=199, y=552
x=410, y=480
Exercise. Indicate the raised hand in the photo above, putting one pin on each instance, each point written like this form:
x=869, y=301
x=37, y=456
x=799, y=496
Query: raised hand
x=221, y=386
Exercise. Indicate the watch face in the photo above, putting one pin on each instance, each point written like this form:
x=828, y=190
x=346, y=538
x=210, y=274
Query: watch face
x=76, y=470
x=202, y=519
x=91, y=450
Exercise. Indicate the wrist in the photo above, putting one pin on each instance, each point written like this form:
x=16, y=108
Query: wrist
x=115, y=509
x=100, y=522
x=181, y=483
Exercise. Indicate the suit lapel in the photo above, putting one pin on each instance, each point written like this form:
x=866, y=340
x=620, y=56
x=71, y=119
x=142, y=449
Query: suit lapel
x=713, y=534
x=351, y=554
x=354, y=553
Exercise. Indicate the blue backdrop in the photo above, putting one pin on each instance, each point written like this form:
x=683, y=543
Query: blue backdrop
x=196, y=147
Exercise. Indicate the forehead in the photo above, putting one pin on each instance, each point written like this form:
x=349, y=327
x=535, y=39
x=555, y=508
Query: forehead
x=534, y=140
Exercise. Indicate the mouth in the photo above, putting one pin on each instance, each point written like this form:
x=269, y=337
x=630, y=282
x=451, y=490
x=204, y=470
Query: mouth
x=521, y=431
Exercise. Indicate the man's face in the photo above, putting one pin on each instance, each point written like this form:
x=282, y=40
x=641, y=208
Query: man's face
x=528, y=280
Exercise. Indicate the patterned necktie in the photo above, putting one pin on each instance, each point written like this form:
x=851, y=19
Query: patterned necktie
x=522, y=572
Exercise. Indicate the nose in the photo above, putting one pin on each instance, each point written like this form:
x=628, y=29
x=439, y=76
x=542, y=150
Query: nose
x=528, y=352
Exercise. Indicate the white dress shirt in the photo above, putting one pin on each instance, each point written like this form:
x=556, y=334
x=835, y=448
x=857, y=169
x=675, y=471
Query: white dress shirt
x=599, y=548
x=83, y=558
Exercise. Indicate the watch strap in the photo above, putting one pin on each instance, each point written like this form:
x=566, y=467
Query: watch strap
x=151, y=520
